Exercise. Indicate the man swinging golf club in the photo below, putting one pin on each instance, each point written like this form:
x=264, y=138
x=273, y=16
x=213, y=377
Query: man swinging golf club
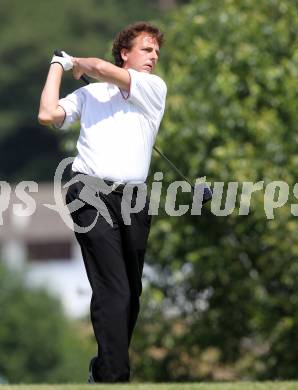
x=119, y=117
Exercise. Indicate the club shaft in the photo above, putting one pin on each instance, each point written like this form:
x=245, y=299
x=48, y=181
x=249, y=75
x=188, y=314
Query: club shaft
x=172, y=165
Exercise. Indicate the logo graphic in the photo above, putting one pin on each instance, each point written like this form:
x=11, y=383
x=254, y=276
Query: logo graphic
x=89, y=194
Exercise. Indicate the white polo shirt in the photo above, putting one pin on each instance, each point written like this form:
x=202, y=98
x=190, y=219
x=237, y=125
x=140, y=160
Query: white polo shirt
x=117, y=134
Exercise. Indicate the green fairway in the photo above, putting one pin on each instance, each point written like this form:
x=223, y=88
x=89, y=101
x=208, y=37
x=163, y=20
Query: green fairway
x=164, y=386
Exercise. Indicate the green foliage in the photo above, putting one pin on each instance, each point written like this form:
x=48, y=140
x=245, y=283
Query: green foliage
x=231, y=70
x=276, y=385
x=37, y=344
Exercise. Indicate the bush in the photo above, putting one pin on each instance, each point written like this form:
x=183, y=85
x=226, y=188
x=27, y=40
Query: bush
x=37, y=342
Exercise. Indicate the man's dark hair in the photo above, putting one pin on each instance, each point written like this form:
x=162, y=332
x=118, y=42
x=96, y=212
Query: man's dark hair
x=124, y=40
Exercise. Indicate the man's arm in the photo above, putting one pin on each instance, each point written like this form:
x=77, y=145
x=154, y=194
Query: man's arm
x=103, y=70
x=49, y=111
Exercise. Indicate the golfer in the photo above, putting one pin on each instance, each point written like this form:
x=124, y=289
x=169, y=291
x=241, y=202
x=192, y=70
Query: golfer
x=119, y=118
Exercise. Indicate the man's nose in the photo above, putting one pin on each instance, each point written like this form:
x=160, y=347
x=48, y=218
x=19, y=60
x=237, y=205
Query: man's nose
x=154, y=55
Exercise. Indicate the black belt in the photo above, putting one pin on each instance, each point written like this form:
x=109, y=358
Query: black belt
x=116, y=187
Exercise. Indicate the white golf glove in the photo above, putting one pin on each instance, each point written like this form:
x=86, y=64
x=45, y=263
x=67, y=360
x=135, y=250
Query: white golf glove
x=65, y=61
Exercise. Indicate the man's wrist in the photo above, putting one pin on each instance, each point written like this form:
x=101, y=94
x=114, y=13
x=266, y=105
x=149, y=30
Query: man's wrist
x=76, y=61
x=57, y=63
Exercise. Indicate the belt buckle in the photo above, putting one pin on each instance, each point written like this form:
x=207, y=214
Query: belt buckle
x=114, y=186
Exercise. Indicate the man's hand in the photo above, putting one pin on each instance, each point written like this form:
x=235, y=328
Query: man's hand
x=77, y=69
x=66, y=61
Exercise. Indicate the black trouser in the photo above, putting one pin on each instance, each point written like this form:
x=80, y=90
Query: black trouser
x=114, y=259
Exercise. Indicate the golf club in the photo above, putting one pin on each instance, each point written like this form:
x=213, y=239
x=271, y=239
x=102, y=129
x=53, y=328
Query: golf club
x=207, y=194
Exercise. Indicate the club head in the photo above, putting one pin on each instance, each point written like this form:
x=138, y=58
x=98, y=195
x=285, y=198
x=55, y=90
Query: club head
x=207, y=195
x=203, y=188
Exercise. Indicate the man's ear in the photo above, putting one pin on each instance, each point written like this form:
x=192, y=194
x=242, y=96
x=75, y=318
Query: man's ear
x=123, y=53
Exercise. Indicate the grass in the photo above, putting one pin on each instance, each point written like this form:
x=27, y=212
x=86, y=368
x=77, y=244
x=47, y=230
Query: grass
x=163, y=386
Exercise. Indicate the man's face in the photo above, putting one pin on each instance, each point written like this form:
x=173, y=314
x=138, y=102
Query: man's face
x=143, y=55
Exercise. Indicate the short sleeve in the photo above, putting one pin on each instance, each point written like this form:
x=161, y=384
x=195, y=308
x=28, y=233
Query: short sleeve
x=148, y=92
x=72, y=105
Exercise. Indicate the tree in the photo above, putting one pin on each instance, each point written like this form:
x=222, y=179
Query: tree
x=231, y=70
x=30, y=31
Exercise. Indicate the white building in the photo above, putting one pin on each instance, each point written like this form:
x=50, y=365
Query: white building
x=44, y=247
